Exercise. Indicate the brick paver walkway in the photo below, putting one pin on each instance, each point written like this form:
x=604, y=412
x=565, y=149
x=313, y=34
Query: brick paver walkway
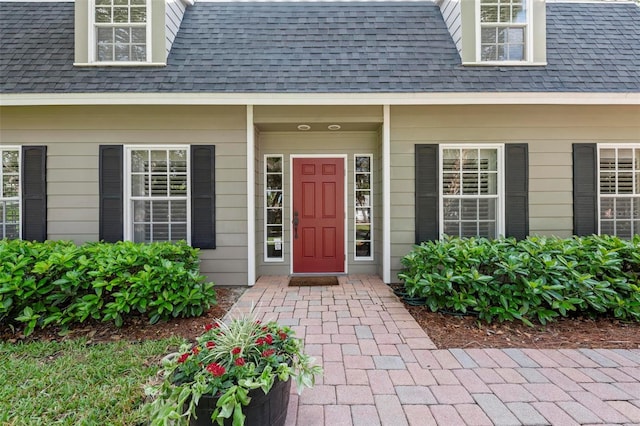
x=380, y=368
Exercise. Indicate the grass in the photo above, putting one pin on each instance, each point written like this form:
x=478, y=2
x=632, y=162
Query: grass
x=75, y=383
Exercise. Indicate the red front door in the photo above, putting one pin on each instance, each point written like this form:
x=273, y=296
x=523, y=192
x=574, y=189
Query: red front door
x=318, y=215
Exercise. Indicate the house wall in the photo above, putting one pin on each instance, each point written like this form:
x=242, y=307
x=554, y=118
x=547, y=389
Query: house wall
x=330, y=143
x=174, y=12
x=550, y=132
x=450, y=10
x=73, y=135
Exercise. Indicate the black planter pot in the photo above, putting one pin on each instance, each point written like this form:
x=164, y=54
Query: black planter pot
x=263, y=410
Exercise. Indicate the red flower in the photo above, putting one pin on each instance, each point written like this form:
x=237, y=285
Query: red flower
x=183, y=358
x=269, y=339
x=282, y=335
x=239, y=362
x=208, y=327
x=216, y=369
x=236, y=350
x=268, y=352
x=196, y=350
x=258, y=322
x=260, y=341
x=210, y=345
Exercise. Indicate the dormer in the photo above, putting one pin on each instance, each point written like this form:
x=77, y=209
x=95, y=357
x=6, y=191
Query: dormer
x=497, y=32
x=126, y=32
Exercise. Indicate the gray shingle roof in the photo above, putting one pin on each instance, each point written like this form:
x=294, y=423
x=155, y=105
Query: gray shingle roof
x=323, y=48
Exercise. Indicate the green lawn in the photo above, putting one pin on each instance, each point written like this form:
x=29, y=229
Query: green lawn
x=75, y=383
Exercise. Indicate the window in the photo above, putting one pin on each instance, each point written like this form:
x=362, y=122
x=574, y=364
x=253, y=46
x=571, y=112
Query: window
x=363, y=204
x=157, y=202
x=10, y=193
x=273, y=224
x=619, y=190
x=503, y=30
x=120, y=30
x=471, y=191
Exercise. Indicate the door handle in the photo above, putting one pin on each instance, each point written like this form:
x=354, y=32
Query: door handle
x=295, y=224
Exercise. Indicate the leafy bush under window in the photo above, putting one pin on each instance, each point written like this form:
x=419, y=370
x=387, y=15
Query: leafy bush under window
x=57, y=282
x=534, y=279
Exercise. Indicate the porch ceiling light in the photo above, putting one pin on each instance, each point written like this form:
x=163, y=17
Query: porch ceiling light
x=304, y=127
x=334, y=127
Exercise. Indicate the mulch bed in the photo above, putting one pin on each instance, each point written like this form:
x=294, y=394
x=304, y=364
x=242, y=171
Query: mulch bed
x=446, y=331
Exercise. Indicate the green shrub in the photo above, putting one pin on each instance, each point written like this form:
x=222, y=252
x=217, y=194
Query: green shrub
x=57, y=282
x=537, y=278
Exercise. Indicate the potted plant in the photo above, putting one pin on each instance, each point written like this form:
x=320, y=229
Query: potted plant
x=233, y=373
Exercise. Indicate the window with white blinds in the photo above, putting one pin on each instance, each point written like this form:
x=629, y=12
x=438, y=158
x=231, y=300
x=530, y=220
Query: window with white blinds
x=471, y=191
x=503, y=30
x=619, y=190
x=9, y=193
x=157, y=205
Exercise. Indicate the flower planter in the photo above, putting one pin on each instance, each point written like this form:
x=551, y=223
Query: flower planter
x=263, y=410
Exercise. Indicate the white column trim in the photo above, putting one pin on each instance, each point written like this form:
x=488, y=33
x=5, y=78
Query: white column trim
x=386, y=194
x=251, y=199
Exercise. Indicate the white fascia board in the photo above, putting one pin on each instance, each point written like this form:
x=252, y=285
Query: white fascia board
x=511, y=98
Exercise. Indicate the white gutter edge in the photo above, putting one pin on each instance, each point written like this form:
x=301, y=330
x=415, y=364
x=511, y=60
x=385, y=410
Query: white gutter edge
x=526, y=98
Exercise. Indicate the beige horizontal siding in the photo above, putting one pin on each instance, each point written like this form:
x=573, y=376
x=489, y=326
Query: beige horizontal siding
x=73, y=136
x=550, y=132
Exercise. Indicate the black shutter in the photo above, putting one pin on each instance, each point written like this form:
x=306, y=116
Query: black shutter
x=34, y=193
x=111, y=228
x=585, y=189
x=203, y=196
x=517, y=190
x=427, y=194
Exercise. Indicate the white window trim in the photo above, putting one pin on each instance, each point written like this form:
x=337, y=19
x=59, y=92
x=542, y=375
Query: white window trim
x=264, y=210
x=357, y=258
x=19, y=197
x=528, y=42
x=127, y=207
x=599, y=195
x=92, y=58
x=500, y=220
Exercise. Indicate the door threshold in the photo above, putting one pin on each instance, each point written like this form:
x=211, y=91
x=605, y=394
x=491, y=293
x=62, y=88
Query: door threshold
x=318, y=274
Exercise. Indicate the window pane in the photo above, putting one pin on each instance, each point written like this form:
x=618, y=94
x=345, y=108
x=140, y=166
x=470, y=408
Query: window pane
x=121, y=52
x=516, y=35
x=451, y=209
x=607, y=159
x=607, y=207
x=274, y=181
x=178, y=185
x=452, y=228
x=469, y=209
x=487, y=229
x=121, y=14
x=489, y=14
x=469, y=184
x=103, y=14
x=469, y=229
x=179, y=211
x=10, y=186
x=489, y=35
x=274, y=198
x=138, y=14
x=122, y=35
x=138, y=35
x=139, y=161
x=363, y=215
x=274, y=250
x=274, y=164
x=450, y=183
x=451, y=159
x=274, y=216
x=363, y=198
x=159, y=185
x=489, y=53
x=141, y=211
x=159, y=161
x=178, y=232
x=138, y=53
x=625, y=159
x=518, y=14
x=607, y=227
x=487, y=209
x=138, y=2
x=139, y=185
x=516, y=52
x=160, y=232
x=274, y=232
x=10, y=162
x=160, y=211
x=625, y=183
x=363, y=249
x=363, y=181
x=363, y=164
x=623, y=208
x=142, y=233
x=363, y=232
x=488, y=184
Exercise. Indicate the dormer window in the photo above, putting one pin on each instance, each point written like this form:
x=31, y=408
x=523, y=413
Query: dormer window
x=503, y=30
x=120, y=28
